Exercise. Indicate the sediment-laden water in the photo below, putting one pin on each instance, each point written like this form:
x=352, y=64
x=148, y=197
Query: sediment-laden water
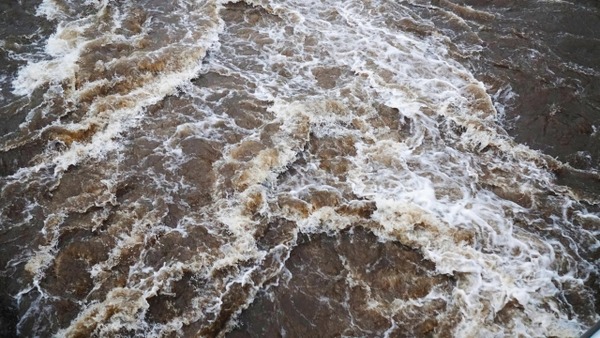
x=356, y=168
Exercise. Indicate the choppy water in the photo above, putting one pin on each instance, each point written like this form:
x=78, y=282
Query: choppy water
x=300, y=168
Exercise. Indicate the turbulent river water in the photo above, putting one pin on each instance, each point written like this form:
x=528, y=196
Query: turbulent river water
x=299, y=168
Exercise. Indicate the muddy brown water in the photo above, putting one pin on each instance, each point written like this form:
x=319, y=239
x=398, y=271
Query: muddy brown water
x=233, y=169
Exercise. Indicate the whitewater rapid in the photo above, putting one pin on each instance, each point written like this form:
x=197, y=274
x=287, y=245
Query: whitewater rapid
x=190, y=152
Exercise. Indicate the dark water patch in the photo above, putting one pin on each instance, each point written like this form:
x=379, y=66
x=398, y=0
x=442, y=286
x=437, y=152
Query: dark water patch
x=333, y=284
x=15, y=113
x=8, y=312
x=12, y=160
x=586, y=183
x=167, y=306
x=547, y=53
x=24, y=119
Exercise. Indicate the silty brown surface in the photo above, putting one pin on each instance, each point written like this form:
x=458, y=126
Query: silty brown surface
x=142, y=238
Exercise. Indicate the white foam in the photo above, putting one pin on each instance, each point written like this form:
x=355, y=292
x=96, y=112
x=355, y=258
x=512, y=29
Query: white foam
x=432, y=186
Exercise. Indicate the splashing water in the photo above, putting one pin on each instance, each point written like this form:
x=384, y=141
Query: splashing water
x=188, y=169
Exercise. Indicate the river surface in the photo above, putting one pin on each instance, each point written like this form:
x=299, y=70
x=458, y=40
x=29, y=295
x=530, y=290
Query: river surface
x=299, y=168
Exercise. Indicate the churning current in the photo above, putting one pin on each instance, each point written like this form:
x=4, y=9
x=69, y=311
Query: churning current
x=299, y=168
